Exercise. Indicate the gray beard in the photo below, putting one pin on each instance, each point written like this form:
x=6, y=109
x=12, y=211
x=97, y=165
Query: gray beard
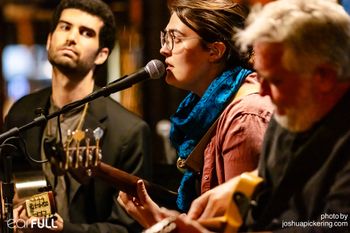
x=302, y=124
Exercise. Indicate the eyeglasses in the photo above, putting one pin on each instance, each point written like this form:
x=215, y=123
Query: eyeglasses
x=169, y=39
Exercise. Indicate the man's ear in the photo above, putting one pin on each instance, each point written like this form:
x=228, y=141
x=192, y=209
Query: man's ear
x=102, y=56
x=326, y=78
x=48, y=41
x=216, y=51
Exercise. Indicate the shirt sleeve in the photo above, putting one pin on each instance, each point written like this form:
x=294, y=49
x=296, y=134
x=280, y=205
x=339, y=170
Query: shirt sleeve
x=242, y=144
x=236, y=144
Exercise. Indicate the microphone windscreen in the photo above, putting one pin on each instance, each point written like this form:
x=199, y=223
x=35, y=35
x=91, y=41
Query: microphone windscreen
x=155, y=69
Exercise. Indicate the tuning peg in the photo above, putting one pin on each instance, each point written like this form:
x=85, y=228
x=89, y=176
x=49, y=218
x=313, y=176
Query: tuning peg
x=78, y=135
x=68, y=142
x=88, y=136
x=98, y=133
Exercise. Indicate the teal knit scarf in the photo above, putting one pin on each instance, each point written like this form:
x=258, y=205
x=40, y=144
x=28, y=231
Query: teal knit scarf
x=194, y=117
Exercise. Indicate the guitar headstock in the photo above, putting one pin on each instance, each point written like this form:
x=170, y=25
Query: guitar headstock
x=41, y=205
x=81, y=152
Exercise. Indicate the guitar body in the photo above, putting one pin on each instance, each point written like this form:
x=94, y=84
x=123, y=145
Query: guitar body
x=242, y=198
x=31, y=189
x=248, y=183
x=27, y=184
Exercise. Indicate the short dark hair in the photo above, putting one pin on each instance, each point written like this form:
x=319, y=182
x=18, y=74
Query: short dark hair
x=94, y=7
x=215, y=20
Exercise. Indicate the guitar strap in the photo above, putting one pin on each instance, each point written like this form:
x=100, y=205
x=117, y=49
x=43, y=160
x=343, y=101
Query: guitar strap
x=195, y=161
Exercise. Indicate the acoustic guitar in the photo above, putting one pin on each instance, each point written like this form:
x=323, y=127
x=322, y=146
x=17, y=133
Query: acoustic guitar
x=42, y=204
x=243, y=197
x=84, y=162
x=82, y=159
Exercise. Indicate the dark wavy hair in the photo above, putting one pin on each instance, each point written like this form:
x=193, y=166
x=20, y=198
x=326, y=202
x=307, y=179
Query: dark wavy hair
x=215, y=20
x=94, y=7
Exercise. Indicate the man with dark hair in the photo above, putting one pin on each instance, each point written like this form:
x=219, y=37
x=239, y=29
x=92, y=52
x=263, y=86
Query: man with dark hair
x=82, y=37
x=108, y=30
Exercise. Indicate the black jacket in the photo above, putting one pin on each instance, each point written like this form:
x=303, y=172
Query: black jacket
x=125, y=145
x=308, y=176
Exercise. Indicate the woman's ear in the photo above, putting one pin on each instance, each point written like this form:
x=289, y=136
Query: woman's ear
x=216, y=51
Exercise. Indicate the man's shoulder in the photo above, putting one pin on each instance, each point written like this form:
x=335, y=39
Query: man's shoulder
x=34, y=98
x=253, y=104
x=24, y=109
x=249, y=101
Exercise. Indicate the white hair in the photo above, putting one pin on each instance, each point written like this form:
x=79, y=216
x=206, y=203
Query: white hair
x=313, y=31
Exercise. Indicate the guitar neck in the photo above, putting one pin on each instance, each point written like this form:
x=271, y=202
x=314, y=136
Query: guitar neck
x=128, y=183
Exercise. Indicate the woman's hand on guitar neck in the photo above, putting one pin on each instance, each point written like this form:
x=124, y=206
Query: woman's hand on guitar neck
x=142, y=208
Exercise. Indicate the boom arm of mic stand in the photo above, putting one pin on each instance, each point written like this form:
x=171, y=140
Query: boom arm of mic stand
x=105, y=91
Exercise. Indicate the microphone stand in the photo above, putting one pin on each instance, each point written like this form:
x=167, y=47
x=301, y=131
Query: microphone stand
x=8, y=193
x=8, y=186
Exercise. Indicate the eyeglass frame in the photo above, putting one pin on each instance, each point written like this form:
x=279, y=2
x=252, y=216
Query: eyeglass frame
x=170, y=46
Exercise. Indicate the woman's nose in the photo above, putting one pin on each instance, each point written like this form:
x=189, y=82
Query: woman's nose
x=164, y=50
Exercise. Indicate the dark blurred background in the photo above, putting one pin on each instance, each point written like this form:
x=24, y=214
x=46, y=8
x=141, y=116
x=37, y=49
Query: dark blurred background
x=24, y=26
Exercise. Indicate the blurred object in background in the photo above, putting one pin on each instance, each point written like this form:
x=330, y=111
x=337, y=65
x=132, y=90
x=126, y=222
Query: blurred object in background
x=346, y=5
x=163, y=130
x=23, y=67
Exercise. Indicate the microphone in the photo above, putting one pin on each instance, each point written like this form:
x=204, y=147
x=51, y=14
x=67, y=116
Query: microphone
x=153, y=70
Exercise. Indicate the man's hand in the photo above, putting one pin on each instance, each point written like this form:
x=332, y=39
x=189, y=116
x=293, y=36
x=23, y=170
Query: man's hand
x=214, y=202
x=142, y=208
